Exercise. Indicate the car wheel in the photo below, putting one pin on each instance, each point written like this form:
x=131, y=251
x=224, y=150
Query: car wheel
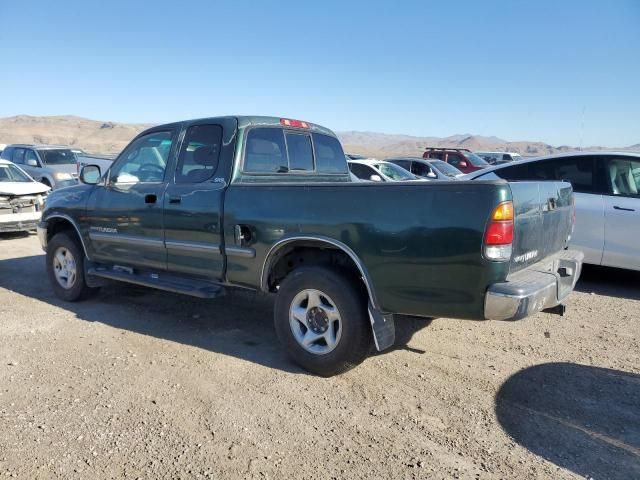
x=46, y=182
x=65, y=267
x=321, y=319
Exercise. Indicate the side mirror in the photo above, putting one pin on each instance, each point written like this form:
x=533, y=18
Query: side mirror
x=463, y=164
x=90, y=174
x=432, y=175
x=375, y=178
x=32, y=162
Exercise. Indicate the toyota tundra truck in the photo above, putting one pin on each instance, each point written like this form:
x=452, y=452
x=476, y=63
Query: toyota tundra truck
x=202, y=206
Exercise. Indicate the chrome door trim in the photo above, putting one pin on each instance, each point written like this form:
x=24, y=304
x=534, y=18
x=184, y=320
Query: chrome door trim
x=126, y=239
x=193, y=247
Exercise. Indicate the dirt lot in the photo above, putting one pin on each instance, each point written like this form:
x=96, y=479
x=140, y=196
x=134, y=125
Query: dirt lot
x=137, y=383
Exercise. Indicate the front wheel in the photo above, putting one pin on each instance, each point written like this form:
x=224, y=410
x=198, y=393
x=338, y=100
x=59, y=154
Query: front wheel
x=65, y=267
x=321, y=319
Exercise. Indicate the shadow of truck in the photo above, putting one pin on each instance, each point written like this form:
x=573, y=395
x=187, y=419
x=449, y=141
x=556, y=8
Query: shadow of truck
x=585, y=419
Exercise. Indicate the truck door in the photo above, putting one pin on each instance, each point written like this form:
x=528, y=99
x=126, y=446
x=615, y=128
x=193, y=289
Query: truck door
x=124, y=214
x=193, y=203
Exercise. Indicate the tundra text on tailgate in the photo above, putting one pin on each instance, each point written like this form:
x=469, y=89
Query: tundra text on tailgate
x=200, y=206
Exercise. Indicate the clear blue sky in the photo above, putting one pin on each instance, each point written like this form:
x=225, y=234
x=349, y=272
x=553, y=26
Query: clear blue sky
x=518, y=70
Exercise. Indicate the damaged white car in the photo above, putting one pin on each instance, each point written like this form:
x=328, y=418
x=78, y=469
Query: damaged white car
x=21, y=199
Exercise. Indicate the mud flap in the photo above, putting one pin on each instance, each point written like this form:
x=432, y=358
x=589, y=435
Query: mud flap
x=384, y=328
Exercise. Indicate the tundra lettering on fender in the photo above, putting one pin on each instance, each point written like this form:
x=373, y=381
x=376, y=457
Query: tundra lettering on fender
x=202, y=206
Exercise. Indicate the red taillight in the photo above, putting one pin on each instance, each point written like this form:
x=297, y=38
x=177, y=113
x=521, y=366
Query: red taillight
x=499, y=234
x=294, y=123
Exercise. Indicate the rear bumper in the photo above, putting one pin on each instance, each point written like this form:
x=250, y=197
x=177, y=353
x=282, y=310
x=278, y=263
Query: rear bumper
x=542, y=285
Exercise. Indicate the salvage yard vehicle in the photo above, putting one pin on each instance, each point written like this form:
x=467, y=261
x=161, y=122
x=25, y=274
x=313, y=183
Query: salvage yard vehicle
x=21, y=199
x=372, y=170
x=264, y=203
x=461, y=158
x=53, y=165
x=497, y=158
x=607, y=195
x=427, y=168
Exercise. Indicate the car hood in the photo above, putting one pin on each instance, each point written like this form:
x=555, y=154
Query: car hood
x=22, y=188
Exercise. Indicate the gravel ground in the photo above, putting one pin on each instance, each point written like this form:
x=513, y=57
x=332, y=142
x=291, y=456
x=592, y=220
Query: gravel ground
x=137, y=383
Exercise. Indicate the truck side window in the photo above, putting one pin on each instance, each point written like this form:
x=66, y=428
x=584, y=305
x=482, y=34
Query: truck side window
x=199, y=154
x=300, y=152
x=329, y=154
x=144, y=160
x=265, y=151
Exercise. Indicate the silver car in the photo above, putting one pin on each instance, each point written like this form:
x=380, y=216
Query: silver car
x=607, y=196
x=55, y=166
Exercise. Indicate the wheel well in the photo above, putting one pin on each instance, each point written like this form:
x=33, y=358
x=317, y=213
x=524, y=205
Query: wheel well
x=58, y=225
x=292, y=256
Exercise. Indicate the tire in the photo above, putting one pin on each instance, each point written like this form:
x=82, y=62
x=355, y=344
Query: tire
x=46, y=182
x=347, y=340
x=67, y=245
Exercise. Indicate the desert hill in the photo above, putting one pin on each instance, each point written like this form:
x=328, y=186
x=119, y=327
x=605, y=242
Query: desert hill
x=110, y=137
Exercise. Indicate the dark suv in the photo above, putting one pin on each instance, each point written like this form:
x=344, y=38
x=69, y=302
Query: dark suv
x=461, y=158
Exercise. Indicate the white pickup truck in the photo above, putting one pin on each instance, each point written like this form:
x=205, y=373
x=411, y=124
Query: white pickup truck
x=103, y=161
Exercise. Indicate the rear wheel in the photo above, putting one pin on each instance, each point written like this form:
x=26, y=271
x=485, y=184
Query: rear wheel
x=65, y=267
x=321, y=319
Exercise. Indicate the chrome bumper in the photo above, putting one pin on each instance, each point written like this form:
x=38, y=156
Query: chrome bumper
x=41, y=230
x=538, y=287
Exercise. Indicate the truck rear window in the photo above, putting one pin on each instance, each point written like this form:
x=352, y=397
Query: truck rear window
x=274, y=150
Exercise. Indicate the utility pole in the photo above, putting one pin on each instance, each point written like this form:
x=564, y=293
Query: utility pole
x=582, y=128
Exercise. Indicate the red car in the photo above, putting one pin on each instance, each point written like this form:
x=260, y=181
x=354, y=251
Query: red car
x=461, y=158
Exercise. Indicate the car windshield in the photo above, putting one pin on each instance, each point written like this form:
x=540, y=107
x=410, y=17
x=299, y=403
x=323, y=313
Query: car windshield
x=394, y=172
x=58, y=156
x=445, y=168
x=11, y=173
x=475, y=160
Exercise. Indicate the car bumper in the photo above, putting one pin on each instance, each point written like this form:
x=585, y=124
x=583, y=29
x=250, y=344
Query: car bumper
x=538, y=287
x=41, y=230
x=19, y=222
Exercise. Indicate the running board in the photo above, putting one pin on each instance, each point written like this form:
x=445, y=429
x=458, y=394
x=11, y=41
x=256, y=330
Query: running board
x=161, y=281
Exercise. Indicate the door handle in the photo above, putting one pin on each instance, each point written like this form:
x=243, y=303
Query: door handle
x=150, y=198
x=175, y=200
x=616, y=207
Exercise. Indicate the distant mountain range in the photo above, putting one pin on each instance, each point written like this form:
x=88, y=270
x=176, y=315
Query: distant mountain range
x=111, y=137
x=382, y=145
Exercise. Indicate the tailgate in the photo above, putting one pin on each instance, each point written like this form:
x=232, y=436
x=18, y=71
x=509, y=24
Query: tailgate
x=543, y=222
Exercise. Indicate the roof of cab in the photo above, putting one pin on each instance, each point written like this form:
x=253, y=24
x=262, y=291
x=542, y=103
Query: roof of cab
x=245, y=121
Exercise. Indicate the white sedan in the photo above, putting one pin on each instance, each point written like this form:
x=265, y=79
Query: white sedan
x=21, y=199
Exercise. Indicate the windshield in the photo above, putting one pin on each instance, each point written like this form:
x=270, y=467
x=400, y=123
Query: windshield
x=62, y=156
x=475, y=160
x=447, y=169
x=11, y=173
x=394, y=172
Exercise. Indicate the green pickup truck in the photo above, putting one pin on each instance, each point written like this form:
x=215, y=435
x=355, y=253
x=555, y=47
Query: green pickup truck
x=267, y=204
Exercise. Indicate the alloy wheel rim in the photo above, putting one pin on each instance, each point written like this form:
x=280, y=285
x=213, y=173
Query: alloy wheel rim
x=64, y=267
x=315, y=321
